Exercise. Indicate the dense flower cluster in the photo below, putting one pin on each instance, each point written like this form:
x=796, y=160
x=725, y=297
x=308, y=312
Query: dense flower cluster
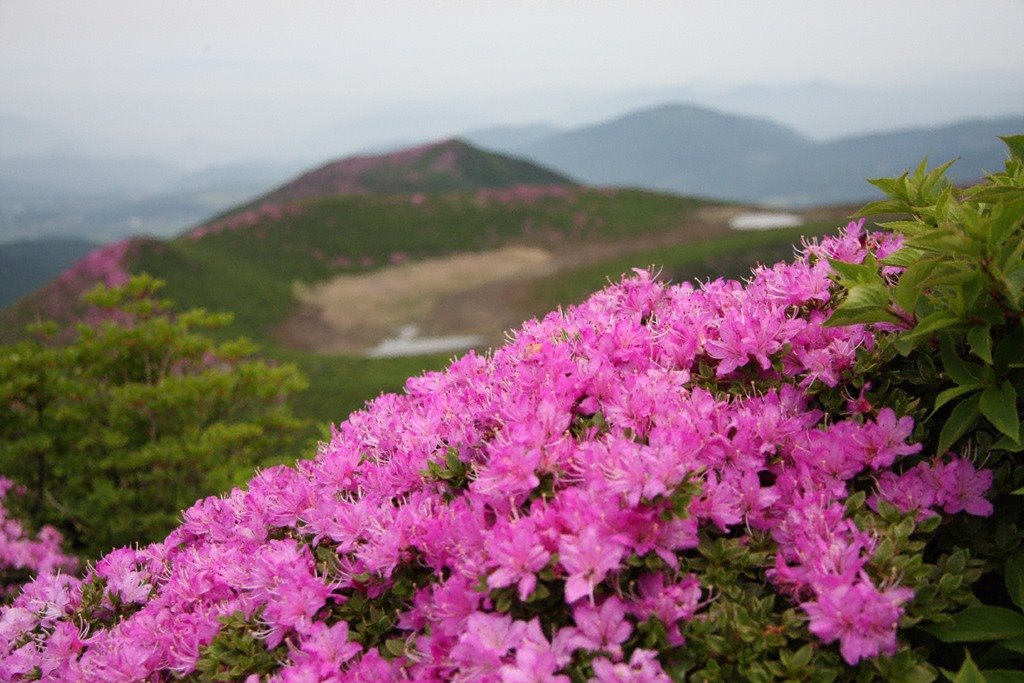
x=530, y=512
x=23, y=557
x=61, y=299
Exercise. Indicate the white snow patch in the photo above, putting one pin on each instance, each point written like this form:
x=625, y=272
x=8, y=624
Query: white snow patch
x=764, y=220
x=406, y=343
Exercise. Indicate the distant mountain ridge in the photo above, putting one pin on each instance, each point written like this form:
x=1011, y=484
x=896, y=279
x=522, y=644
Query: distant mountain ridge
x=29, y=264
x=692, y=150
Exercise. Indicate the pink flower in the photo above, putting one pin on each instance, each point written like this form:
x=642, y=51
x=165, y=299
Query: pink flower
x=964, y=488
x=643, y=667
x=604, y=628
x=588, y=558
x=863, y=619
x=885, y=440
x=670, y=603
x=519, y=555
x=324, y=650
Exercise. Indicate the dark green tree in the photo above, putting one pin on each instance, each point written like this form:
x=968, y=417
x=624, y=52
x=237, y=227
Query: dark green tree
x=114, y=427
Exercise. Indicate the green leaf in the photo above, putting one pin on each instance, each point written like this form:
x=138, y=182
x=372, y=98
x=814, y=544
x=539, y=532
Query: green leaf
x=925, y=327
x=856, y=273
x=905, y=256
x=1005, y=218
x=859, y=316
x=539, y=593
x=1015, y=578
x=979, y=624
x=1014, y=143
x=864, y=303
x=882, y=206
x=1013, y=644
x=934, y=176
x=959, y=370
x=999, y=406
x=908, y=289
x=1002, y=676
x=948, y=395
x=1010, y=444
x=395, y=647
x=963, y=417
x=969, y=672
x=979, y=338
x=888, y=185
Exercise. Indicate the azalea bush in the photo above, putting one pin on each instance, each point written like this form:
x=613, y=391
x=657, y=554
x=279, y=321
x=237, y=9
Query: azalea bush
x=730, y=481
x=22, y=554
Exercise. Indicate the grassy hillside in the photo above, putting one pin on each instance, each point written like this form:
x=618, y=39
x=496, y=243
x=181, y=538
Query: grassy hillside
x=340, y=384
x=394, y=234
x=251, y=271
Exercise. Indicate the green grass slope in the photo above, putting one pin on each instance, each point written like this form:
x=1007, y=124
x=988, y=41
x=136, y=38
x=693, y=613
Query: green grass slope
x=251, y=271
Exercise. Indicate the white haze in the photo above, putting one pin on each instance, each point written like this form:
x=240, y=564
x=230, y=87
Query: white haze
x=197, y=82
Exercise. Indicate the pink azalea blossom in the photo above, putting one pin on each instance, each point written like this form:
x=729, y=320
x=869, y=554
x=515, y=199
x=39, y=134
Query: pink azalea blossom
x=860, y=616
x=605, y=437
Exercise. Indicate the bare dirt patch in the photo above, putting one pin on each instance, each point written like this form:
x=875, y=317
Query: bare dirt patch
x=351, y=313
x=468, y=294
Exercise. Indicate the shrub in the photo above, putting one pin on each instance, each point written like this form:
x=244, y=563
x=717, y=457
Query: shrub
x=667, y=482
x=117, y=426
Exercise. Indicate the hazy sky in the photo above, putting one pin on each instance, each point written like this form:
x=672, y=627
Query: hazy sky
x=238, y=74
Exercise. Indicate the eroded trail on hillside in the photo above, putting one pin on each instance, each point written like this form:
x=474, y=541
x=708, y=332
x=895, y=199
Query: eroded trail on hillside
x=352, y=313
x=479, y=294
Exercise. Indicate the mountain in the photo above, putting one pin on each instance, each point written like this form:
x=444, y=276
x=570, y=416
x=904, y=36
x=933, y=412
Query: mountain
x=693, y=150
x=29, y=264
x=445, y=166
x=834, y=171
x=679, y=148
x=359, y=215
x=824, y=110
x=438, y=167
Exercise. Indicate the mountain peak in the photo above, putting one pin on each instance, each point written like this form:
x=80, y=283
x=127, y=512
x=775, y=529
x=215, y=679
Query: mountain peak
x=442, y=166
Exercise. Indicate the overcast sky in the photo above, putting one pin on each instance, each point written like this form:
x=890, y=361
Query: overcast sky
x=247, y=73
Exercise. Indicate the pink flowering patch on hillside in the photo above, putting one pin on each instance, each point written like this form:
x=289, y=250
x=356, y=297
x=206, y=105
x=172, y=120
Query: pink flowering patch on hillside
x=22, y=555
x=108, y=265
x=521, y=194
x=265, y=212
x=527, y=512
x=358, y=174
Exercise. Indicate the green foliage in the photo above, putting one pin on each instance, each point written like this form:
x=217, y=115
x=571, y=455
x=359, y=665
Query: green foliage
x=962, y=289
x=116, y=431
x=953, y=296
x=236, y=653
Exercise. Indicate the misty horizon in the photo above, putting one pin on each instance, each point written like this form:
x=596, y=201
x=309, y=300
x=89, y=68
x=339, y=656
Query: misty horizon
x=199, y=84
